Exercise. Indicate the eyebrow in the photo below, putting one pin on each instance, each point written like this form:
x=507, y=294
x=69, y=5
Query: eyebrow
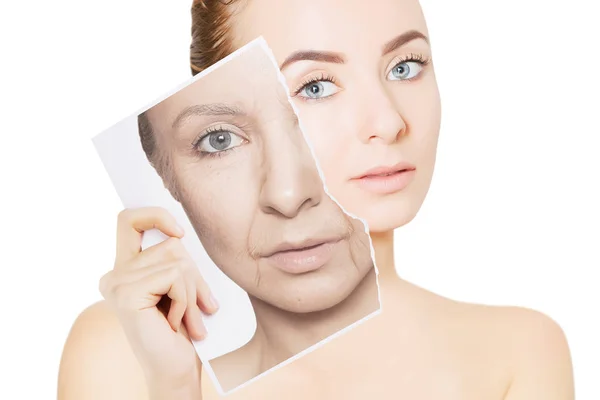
x=402, y=39
x=338, y=58
x=206, y=110
x=313, y=55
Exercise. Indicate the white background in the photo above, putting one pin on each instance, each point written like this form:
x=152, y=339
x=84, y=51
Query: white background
x=512, y=217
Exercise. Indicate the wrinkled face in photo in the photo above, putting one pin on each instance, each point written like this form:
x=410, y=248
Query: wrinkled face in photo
x=230, y=149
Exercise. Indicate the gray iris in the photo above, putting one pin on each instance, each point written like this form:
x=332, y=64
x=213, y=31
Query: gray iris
x=220, y=140
x=315, y=89
x=401, y=71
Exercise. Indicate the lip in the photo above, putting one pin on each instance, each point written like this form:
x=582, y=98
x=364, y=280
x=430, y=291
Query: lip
x=302, y=257
x=387, y=179
x=401, y=166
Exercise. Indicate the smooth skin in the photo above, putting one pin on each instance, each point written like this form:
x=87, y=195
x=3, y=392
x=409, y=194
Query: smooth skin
x=422, y=346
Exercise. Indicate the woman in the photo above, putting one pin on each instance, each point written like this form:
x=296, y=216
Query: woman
x=361, y=75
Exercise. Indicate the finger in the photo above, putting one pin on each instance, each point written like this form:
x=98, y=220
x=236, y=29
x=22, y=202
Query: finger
x=131, y=223
x=178, y=294
x=204, y=296
x=166, y=251
x=192, y=319
x=145, y=293
x=131, y=275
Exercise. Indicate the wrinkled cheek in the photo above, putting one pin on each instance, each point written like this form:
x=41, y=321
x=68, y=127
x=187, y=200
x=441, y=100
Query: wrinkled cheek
x=203, y=210
x=361, y=251
x=221, y=238
x=200, y=215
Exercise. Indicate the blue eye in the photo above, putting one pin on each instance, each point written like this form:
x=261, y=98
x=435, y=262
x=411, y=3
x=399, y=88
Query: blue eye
x=317, y=87
x=318, y=90
x=405, y=70
x=219, y=141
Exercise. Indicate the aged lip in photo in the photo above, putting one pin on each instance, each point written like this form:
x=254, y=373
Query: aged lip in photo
x=302, y=257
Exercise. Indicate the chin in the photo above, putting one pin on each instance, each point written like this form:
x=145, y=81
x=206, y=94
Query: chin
x=311, y=304
x=311, y=300
x=383, y=219
x=382, y=224
x=387, y=214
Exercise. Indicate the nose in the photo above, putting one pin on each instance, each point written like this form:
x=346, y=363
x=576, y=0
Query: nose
x=291, y=181
x=382, y=121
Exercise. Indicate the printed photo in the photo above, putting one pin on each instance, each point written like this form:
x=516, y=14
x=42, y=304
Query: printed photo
x=226, y=156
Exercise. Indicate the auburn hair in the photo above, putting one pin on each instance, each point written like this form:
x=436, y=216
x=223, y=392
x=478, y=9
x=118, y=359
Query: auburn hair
x=210, y=27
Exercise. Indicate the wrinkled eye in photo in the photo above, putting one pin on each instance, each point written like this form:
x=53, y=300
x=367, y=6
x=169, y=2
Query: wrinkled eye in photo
x=269, y=264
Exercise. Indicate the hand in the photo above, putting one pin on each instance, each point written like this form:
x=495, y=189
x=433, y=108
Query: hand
x=158, y=295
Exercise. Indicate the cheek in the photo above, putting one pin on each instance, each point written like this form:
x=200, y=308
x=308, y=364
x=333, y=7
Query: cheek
x=212, y=202
x=360, y=246
x=361, y=251
x=328, y=129
x=423, y=117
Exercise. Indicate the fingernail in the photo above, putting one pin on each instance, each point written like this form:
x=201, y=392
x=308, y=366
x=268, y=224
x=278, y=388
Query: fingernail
x=180, y=229
x=213, y=302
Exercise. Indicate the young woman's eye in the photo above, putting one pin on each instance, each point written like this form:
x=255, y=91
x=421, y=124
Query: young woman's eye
x=405, y=70
x=219, y=141
x=318, y=90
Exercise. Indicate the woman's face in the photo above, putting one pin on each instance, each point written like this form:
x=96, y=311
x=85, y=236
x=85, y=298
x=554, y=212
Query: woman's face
x=365, y=90
x=242, y=170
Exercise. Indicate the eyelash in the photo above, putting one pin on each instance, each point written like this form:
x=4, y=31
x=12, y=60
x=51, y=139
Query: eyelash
x=420, y=58
x=411, y=57
x=210, y=130
x=312, y=80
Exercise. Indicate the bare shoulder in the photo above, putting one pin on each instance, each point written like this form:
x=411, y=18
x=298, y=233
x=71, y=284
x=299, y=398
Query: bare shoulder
x=542, y=359
x=532, y=338
x=533, y=348
x=525, y=348
x=97, y=361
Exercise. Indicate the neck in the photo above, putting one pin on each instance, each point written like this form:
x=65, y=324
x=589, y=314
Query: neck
x=282, y=334
x=383, y=246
